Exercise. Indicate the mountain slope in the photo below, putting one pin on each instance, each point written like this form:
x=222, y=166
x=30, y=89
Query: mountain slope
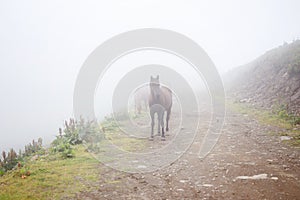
x=271, y=81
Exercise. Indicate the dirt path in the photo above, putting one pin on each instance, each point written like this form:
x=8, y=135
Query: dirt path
x=247, y=163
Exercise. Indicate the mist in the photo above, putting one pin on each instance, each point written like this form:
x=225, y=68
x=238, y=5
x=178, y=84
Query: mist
x=43, y=46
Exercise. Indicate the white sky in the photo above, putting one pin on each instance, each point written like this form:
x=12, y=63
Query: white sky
x=44, y=43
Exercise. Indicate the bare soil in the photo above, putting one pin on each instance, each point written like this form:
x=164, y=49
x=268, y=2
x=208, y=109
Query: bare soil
x=248, y=162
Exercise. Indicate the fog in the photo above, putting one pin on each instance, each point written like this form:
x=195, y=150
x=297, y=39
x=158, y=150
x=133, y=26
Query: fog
x=44, y=44
x=152, y=63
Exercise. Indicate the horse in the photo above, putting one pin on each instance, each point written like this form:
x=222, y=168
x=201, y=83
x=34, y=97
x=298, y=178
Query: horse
x=141, y=99
x=160, y=100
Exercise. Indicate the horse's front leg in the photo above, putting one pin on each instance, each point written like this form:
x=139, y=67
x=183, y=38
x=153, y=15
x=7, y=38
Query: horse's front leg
x=159, y=118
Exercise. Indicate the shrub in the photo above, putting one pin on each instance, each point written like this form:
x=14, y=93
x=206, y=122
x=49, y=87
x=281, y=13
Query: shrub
x=282, y=113
x=9, y=161
x=2, y=172
x=71, y=131
x=34, y=148
x=74, y=133
x=61, y=145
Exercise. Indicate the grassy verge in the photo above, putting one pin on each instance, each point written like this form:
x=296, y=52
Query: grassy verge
x=116, y=136
x=68, y=166
x=51, y=177
x=273, y=118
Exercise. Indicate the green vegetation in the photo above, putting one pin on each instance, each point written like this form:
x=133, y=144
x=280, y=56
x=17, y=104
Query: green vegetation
x=75, y=132
x=64, y=169
x=33, y=148
x=51, y=177
x=278, y=117
x=116, y=136
x=263, y=116
x=287, y=55
x=49, y=174
x=282, y=112
x=63, y=142
x=11, y=159
x=293, y=57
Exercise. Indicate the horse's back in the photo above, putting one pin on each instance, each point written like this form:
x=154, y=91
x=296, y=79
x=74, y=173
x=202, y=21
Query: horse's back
x=141, y=94
x=167, y=93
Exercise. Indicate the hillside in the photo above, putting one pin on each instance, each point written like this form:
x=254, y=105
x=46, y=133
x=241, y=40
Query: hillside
x=271, y=81
x=255, y=157
x=247, y=163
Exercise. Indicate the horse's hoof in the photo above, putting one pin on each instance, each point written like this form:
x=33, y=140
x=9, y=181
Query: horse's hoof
x=151, y=139
x=167, y=129
x=163, y=139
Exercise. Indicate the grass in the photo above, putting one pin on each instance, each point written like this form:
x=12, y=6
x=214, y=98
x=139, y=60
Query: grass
x=126, y=143
x=114, y=135
x=267, y=117
x=51, y=177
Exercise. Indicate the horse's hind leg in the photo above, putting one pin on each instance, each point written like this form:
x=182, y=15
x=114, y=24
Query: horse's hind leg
x=158, y=128
x=168, y=117
x=162, y=126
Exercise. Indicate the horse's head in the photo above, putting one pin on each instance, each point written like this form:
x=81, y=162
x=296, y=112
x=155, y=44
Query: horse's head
x=155, y=87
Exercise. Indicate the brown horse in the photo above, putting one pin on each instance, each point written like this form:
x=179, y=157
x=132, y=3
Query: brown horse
x=141, y=99
x=160, y=100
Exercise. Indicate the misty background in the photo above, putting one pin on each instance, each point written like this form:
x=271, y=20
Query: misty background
x=44, y=43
